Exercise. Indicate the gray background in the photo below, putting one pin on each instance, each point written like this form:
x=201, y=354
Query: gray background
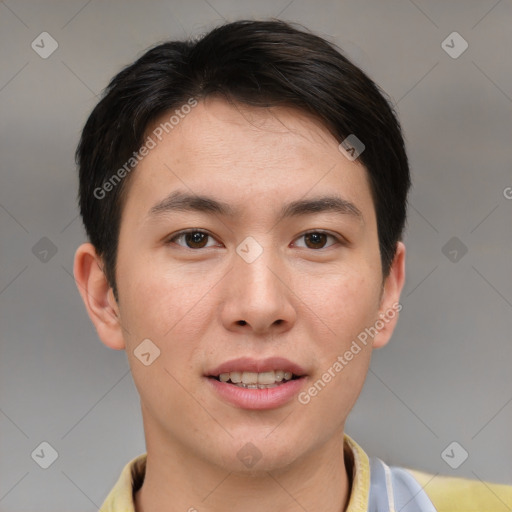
x=444, y=377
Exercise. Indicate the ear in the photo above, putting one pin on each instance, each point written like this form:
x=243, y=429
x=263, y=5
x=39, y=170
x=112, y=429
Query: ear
x=390, y=301
x=98, y=296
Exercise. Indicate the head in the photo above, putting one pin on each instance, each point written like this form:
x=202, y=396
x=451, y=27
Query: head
x=225, y=223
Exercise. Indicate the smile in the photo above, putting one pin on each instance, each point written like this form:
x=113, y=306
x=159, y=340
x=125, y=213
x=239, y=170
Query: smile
x=254, y=380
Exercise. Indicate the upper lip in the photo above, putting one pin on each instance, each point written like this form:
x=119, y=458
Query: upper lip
x=248, y=364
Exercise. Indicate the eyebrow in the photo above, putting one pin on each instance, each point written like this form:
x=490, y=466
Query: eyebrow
x=181, y=201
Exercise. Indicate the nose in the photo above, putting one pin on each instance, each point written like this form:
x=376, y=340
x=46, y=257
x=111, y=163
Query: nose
x=258, y=298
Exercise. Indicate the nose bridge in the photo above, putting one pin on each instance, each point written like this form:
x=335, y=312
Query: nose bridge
x=255, y=266
x=257, y=296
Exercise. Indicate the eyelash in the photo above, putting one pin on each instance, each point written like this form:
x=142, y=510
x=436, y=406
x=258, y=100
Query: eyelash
x=180, y=234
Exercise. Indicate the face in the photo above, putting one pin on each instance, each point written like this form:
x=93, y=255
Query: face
x=263, y=278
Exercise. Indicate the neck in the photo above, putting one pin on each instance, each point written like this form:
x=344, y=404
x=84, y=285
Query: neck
x=179, y=482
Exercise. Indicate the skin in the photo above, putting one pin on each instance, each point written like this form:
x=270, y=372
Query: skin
x=299, y=299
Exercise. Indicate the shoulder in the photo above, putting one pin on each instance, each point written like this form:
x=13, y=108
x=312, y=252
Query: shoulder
x=455, y=494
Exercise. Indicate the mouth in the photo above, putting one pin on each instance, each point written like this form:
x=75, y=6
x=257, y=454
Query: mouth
x=255, y=380
x=257, y=384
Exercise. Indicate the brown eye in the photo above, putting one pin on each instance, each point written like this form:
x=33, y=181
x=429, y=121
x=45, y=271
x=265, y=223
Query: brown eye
x=316, y=240
x=194, y=239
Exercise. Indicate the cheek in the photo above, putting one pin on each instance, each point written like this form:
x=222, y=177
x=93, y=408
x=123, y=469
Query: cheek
x=340, y=308
x=161, y=301
x=174, y=310
x=344, y=302
x=170, y=311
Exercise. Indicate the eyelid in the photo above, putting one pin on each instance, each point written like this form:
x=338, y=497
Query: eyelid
x=339, y=238
x=169, y=239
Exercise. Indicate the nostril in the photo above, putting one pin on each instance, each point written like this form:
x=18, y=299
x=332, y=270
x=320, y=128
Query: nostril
x=242, y=322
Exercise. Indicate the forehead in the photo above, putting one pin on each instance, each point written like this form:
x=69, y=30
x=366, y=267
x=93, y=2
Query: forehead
x=242, y=153
x=216, y=128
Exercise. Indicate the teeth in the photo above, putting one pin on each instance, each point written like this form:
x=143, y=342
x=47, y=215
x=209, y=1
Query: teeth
x=256, y=386
x=266, y=377
x=250, y=378
x=253, y=380
x=235, y=377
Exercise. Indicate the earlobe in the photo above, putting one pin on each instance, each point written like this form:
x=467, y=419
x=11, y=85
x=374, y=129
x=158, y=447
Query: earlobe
x=98, y=297
x=390, y=302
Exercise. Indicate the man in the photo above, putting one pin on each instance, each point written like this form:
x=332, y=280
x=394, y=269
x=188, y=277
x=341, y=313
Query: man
x=245, y=196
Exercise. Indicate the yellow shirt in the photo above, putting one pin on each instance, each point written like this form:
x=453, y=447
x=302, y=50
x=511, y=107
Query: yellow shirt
x=375, y=487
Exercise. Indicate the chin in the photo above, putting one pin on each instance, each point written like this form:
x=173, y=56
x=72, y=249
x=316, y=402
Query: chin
x=256, y=455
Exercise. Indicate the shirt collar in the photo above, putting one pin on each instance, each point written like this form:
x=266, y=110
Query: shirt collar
x=121, y=497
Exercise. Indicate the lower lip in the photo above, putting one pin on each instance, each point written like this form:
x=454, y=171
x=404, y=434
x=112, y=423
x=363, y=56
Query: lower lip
x=269, y=398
